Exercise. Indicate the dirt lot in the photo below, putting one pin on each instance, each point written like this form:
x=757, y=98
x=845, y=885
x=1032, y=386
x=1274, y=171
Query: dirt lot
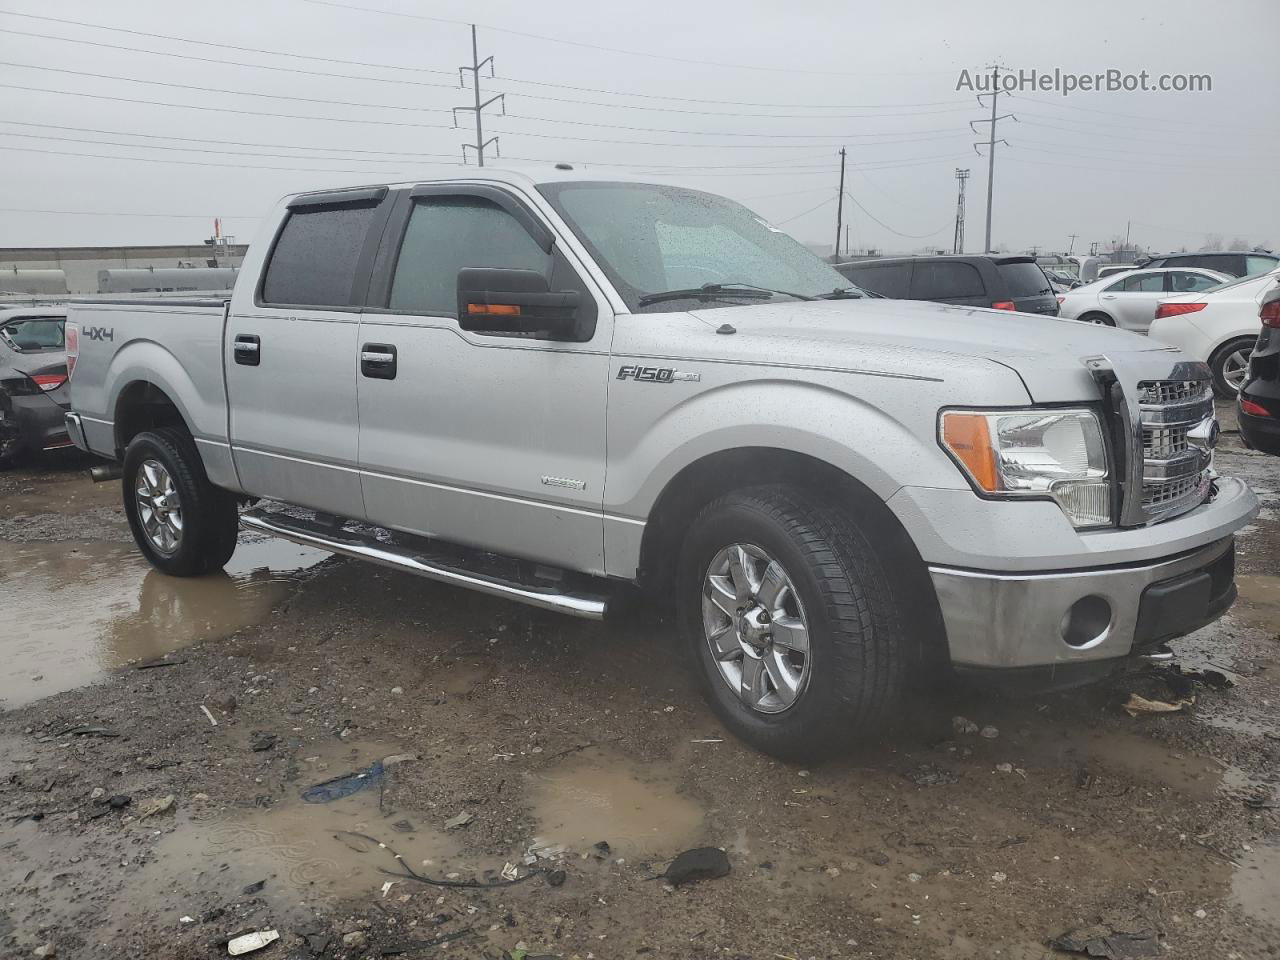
x=215, y=705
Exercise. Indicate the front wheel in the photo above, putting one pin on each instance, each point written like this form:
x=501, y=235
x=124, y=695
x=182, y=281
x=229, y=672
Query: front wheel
x=788, y=614
x=1229, y=364
x=181, y=522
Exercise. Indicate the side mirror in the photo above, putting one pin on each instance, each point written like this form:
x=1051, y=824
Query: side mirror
x=497, y=300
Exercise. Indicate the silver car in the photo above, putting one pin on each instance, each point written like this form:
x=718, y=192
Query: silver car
x=1129, y=300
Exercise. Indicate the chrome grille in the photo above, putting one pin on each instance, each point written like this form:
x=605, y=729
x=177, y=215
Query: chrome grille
x=1159, y=392
x=1177, y=453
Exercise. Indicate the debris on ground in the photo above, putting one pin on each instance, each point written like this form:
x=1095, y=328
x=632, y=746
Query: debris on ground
x=556, y=878
x=1114, y=937
x=89, y=731
x=119, y=801
x=702, y=863
x=157, y=806
x=964, y=725
x=989, y=732
x=260, y=741
x=206, y=712
x=402, y=826
x=356, y=939
x=1138, y=705
x=250, y=942
x=363, y=843
x=45, y=950
x=461, y=820
x=253, y=887
x=344, y=786
x=930, y=775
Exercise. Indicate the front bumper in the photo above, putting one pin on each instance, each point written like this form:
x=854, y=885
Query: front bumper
x=1011, y=620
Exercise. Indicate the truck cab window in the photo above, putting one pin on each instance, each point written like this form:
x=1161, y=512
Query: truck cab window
x=445, y=234
x=314, y=259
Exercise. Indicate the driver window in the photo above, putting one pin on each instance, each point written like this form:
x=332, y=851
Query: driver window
x=445, y=234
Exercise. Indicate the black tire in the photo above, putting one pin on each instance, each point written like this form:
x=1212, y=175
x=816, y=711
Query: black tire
x=1218, y=363
x=210, y=521
x=854, y=679
x=1100, y=319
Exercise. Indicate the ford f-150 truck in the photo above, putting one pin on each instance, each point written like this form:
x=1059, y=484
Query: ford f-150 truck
x=543, y=383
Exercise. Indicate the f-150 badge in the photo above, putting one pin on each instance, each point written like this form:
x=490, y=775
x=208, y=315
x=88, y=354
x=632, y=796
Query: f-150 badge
x=655, y=374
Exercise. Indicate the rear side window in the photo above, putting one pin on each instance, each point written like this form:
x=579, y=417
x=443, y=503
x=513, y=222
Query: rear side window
x=1181, y=281
x=313, y=263
x=1143, y=283
x=446, y=234
x=1024, y=280
x=888, y=280
x=34, y=333
x=1256, y=265
x=940, y=280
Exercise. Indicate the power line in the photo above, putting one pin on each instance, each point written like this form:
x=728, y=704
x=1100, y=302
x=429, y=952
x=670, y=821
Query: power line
x=872, y=216
x=778, y=223
x=194, y=163
x=201, y=88
x=131, y=213
x=619, y=50
x=386, y=66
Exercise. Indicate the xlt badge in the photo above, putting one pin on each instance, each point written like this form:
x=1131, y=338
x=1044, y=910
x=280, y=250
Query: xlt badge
x=654, y=374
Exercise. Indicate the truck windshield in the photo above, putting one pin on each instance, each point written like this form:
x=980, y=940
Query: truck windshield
x=655, y=241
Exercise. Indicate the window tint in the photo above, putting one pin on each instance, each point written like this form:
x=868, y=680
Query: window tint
x=1025, y=279
x=888, y=280
x=1143, y=283
x=1183, y=261
x=1256, y=265
x=1182, y=282
x=446, y=234
x=940, y=280
x=314, y=260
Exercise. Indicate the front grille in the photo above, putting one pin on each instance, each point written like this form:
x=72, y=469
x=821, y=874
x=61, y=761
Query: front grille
x=1176, y=454
x=1160, y=392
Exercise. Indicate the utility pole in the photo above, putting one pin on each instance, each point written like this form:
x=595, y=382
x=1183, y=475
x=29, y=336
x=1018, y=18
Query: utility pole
x=840, y=205
x=1072, y=249
x=962, y=177
x=478, y=108
x=991, y=142
x=846, y=241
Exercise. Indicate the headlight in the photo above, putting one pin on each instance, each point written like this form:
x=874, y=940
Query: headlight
x=1034, y=453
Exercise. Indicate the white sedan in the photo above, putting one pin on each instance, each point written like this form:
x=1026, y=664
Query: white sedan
x=1219, y=326
x=1129, y=300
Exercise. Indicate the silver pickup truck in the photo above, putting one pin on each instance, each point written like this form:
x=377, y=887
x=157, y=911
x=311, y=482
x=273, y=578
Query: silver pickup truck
x=544, y=384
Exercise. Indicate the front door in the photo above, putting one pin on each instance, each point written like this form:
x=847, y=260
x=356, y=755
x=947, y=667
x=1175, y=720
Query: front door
x=290, y=355
x=493, y=441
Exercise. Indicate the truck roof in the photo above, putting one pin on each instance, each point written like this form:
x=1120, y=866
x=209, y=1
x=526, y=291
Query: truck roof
x=515, y=174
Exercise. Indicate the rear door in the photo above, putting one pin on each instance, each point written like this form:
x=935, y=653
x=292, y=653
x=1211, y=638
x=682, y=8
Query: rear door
x=949, y=281
x=1132, y=300
x=290, y=354
x=491, y=440
x=1027, y=286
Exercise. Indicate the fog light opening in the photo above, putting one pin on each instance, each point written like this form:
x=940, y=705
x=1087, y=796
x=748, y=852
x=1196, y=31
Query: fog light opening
x=1086, y=622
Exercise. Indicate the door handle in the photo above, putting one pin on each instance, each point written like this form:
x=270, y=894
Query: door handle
x=247, y=349
x=378, y=361
x=1107, y=296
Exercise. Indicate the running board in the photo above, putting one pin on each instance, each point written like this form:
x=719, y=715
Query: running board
x=349, y=543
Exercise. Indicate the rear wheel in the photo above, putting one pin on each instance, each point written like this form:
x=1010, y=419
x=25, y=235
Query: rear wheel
x=1100, y=319
x=789, y=618
x=1228, y=365
x=181, y=522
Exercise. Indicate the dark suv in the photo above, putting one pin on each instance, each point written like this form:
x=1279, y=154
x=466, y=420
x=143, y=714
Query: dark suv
x=1259, y=400
x=1005, y=283
x=1238, y=263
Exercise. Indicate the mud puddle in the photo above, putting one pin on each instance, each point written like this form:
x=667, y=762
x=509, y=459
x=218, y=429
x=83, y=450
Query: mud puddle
x=89, y=607
x=1255, y=885
x=1259, y=603
x=599, y=795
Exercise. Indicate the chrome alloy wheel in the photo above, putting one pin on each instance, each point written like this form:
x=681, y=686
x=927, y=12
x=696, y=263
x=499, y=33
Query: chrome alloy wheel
x=1235, y=367
x=756, y=628
x=159, y=509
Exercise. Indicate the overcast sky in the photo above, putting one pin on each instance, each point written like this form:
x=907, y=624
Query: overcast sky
x=749, y=99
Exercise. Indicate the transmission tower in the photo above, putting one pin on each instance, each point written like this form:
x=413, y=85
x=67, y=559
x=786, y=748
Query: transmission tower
x=991, y=142
x=478, y=108
x=962, y=177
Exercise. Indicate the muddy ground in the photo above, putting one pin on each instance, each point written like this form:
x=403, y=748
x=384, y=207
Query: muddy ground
x=214, y=705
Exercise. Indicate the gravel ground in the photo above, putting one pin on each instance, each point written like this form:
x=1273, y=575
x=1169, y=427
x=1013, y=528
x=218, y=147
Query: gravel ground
x=578, y=758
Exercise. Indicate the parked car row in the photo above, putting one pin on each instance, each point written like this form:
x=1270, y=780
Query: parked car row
x=1000, y=282
x=33, y=381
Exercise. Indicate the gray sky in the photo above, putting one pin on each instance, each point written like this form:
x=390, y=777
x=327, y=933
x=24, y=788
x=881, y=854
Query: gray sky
x=761, y=96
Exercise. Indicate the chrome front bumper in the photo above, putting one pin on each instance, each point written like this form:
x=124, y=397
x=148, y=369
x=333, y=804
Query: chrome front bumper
x=1008, y=620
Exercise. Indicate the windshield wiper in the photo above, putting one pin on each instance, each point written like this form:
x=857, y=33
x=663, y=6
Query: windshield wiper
x=713, y=291
x=844, y=293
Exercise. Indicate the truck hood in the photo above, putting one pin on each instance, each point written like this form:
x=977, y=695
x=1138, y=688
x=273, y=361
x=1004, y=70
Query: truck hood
x=934, y=339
